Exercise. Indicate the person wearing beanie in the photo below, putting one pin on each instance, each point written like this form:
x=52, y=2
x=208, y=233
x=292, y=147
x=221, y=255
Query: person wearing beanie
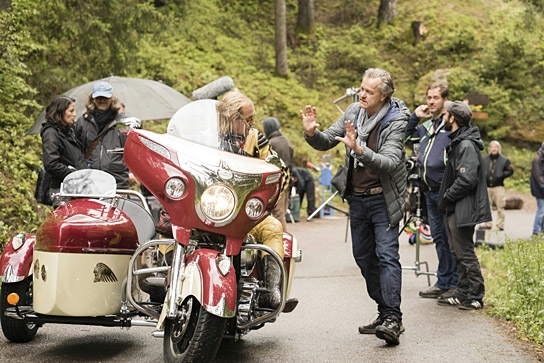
x=281, y=145
x=497, y=168
x=537, y=189
x=463, y=198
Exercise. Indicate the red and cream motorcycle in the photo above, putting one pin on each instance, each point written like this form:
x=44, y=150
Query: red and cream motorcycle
x=97, y=259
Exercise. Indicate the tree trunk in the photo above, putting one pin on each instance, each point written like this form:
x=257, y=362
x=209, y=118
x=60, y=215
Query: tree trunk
x=281, y=39
x=387, y=11
x=305, y=17
x=5, y=5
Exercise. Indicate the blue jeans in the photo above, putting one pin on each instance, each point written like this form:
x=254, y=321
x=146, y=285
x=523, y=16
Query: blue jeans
x=375, y=247
x=538, y=225
x=446, y=272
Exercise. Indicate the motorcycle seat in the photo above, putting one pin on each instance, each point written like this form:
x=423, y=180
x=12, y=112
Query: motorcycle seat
x=145, y=226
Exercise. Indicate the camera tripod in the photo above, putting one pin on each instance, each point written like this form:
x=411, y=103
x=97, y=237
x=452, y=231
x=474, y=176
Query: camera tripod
x=416, y=216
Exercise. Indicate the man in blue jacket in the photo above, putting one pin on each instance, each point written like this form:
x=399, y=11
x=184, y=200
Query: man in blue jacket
x=433, y=139
x=373, y=131
x=463, y=197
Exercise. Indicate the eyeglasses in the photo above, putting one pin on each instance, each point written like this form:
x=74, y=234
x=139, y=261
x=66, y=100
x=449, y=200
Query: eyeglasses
x=250, y=119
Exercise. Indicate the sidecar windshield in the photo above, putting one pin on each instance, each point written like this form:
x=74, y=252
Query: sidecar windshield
x=88, y=183
x=211, y=123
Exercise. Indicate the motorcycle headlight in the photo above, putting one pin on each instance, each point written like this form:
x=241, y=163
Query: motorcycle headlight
x=254, y=208
x=174, y=188
x=218, y=202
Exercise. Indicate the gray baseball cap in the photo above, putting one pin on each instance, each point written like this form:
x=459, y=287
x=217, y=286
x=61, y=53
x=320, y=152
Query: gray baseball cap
x=460, y=111
x=102, y=89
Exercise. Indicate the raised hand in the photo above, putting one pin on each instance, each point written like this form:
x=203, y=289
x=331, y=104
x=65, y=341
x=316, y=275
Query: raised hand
x=309, y=120
x=350, y=138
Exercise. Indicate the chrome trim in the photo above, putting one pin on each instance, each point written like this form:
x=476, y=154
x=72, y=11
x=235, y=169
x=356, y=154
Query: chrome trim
x=150, y=323
x=175, y=277
x=158, y=334
x=154, y=146
x=133, y=271
x=9, y=276
x=204, y=176
x=298, y=257
x=275, y=313
x=221, y=308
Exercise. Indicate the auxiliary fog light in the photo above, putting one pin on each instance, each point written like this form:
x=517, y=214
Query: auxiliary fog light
x=175, y=188
x=223, y=264
x=217, y=202
x=18, y=241
x=254, y=208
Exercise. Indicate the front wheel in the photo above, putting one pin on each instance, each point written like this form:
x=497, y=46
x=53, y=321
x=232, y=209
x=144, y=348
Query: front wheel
x=17, y=330
x=194, y=335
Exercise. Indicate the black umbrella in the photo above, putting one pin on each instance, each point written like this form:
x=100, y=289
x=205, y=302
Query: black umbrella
x=144, y=98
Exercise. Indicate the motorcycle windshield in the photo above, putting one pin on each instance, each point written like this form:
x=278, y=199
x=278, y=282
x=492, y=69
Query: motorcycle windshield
x=210, y=123
x=88, y=183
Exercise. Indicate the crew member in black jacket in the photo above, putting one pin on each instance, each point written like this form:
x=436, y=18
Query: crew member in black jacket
x=497, y=168
x=463, y=197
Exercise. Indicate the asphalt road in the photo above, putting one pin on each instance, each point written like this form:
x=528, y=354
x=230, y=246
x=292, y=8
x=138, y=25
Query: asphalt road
x=323, y=328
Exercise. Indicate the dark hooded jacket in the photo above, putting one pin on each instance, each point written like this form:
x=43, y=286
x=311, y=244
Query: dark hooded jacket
x=87, y=130
x=463, y=190
x=280, y=144
x=537, y=174
x=62, y=152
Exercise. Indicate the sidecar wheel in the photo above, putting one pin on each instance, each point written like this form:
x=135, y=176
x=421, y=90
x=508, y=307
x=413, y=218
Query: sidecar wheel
x=194, y=335
x=16, y=330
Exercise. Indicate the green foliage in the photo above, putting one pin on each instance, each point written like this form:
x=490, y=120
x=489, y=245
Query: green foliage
x=515, y=285
x=521, y=161
x=75, y=42
x=493, y=47
x=18, y=164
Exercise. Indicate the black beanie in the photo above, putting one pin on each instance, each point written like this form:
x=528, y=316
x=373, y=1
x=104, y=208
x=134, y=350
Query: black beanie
x=270, y=125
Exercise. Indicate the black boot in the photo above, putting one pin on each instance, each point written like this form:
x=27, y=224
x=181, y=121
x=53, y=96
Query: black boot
x=272, y=272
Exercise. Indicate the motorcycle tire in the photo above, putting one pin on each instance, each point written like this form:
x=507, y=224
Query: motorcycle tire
x=194, y=335
x=17, y=330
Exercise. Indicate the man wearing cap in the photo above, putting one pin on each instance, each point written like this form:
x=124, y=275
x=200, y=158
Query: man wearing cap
x=463, y=198
x=97, y=132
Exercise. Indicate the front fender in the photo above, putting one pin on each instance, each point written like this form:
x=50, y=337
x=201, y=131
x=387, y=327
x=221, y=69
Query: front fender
x=201, y=278
x=16, y=264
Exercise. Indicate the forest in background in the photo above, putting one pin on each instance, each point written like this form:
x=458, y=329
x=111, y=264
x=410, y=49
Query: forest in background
x=486, y=47
x=489, y=47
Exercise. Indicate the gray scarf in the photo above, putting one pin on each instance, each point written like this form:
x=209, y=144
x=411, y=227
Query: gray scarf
x=366, y=124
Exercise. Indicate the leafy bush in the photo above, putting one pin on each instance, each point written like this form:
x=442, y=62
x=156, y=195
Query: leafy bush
x=18, y=158
x=514, y=279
